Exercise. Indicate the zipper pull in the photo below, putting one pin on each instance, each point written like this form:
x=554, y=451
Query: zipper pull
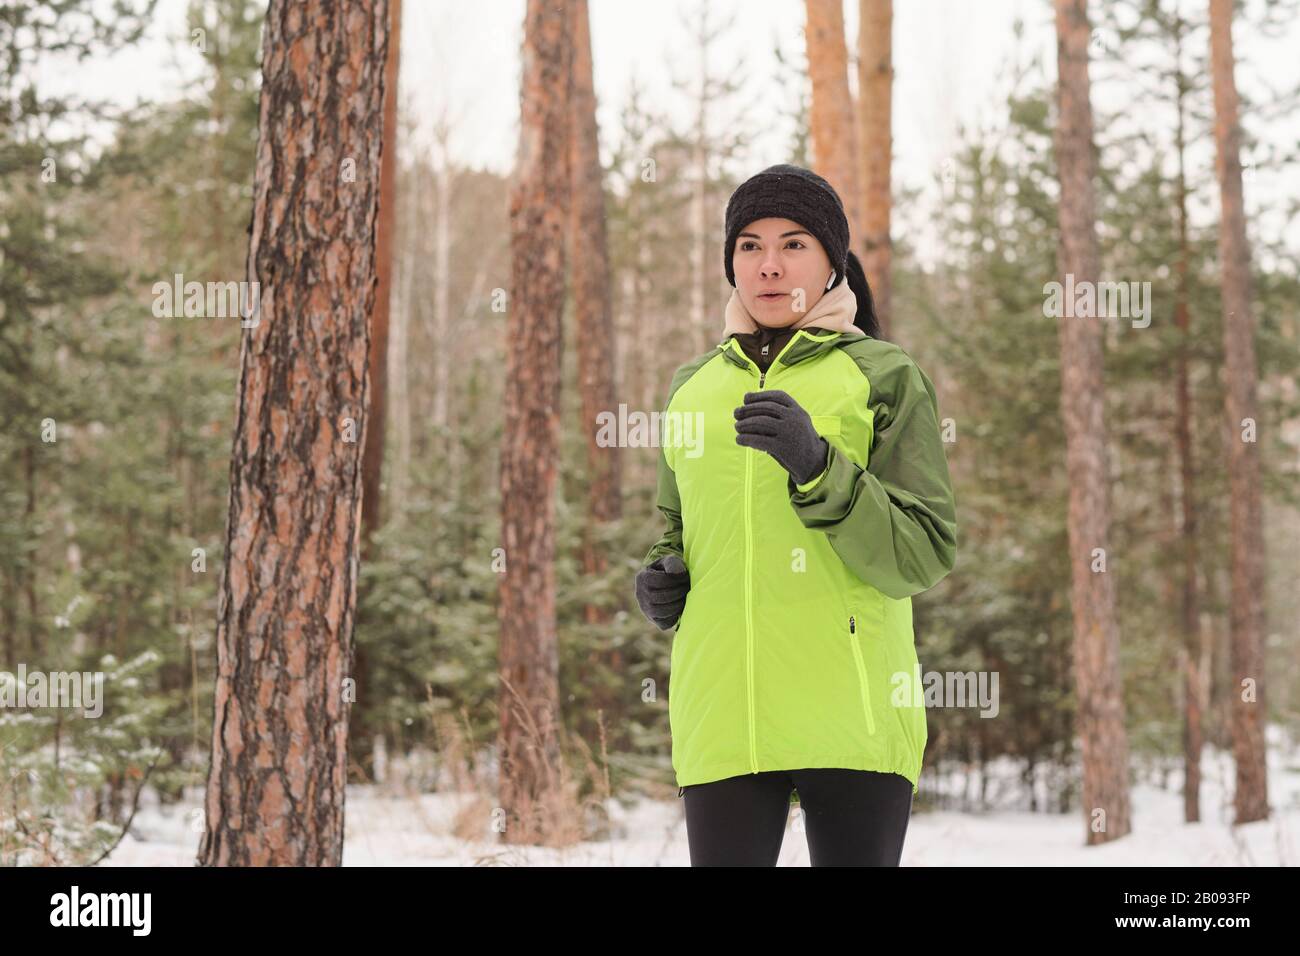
x=765, y=348
x=852, y=625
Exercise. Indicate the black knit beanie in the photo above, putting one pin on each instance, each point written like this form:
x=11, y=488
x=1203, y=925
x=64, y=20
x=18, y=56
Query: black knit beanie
x=790, y=192
x=798, y=194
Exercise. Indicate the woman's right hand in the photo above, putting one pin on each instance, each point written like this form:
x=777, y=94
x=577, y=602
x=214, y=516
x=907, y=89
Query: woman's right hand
x=661, y=588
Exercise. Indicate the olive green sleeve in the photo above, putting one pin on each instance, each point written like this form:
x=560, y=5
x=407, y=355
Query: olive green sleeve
x=893, y=524
x=669, y=503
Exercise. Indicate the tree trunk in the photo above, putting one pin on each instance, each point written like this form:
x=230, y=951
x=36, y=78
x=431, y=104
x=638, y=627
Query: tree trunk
x=530, y=447
x=29, y=572
x=373, y=467
x=834, y=131
x=593, y=312
x=702, y=317
x=1246, y=619
x=1194, y=679
x=442, y=288
x=399, y=411
x=875, y=138
x=285, y=608
x=1096, y=627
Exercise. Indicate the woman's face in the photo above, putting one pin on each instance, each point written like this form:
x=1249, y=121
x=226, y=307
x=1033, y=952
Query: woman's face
x=779, y=256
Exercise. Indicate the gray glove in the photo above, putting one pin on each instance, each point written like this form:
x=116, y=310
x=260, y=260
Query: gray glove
x=661, y=588
x=772, y=421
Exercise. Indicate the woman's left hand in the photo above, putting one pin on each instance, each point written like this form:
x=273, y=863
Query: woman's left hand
x=772, y=421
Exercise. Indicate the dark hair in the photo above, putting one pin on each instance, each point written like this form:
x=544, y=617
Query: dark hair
x=866, y=319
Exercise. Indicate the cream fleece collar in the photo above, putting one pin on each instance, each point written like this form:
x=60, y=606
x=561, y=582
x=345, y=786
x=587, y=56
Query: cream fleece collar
x=833, y=311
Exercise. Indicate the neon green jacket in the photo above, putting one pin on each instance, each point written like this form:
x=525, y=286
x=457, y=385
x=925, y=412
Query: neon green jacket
x=795, y=648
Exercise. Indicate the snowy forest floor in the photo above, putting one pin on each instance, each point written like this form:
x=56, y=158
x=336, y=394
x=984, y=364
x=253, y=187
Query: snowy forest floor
x=420, y=830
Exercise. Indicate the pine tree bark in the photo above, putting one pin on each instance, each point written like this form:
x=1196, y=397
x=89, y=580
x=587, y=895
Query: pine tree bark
x=442, y=173
x=876, y=140
x=1096, y=626
x=1246, y=618
x=399, y=411
x=372, y=467
x=834, y=128
x=530, y=447
x=702, y=324
x=593, y=310
x=275, y=792
x=1194, y=651
x=372, y=471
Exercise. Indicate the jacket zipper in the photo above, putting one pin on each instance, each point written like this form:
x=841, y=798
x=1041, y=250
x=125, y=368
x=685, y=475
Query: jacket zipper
x=862, y=674
x=749, y=595
x=749, y=575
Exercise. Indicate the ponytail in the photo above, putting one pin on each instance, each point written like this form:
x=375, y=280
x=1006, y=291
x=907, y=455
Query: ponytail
x=866, y=319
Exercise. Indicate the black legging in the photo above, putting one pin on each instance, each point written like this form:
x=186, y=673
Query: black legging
x=852, y=817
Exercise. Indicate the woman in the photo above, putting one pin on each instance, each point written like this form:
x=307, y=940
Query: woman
x=816, y=504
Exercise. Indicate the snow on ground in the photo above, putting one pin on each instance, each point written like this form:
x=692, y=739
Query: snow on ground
x=385, y=830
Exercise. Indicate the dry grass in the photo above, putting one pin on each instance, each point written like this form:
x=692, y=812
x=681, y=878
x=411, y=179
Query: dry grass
x=566, y=805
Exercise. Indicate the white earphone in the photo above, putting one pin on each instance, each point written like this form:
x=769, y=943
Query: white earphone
x=831, y=281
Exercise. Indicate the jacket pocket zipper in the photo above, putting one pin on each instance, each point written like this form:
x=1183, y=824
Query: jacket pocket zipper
x=862, y=674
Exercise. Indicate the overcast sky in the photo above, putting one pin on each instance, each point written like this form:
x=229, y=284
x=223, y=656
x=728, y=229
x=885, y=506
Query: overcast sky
x=949, y=62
